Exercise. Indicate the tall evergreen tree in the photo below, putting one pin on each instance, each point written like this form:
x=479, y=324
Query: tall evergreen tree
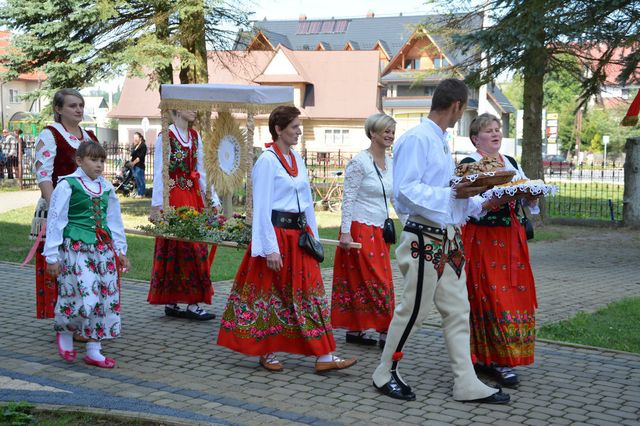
x=534, y=37
x=77, y=42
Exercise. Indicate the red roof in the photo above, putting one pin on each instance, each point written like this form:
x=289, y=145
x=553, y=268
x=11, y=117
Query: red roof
x=5, y=46
x=614, y=67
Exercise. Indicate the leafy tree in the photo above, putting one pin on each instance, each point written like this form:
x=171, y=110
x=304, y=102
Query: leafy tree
x=535, y=37
x=77, y=42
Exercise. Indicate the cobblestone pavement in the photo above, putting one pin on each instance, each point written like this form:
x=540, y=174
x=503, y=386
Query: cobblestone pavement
x=173, y=369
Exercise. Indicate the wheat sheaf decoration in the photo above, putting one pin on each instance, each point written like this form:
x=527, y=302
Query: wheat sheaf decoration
x=224, y=154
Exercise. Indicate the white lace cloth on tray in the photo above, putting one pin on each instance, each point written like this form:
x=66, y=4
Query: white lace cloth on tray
x=532, y=187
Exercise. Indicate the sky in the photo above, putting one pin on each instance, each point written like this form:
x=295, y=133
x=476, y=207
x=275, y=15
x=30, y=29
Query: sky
x=319, y=9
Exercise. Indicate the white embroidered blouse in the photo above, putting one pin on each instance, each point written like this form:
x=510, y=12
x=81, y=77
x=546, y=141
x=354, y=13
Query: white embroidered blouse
x=59, y=214
x=46, y=151
x=274, y=189
x=363, y=199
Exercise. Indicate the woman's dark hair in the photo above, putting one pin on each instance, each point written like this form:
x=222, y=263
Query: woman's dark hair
x=281, y=116
x=58, y=100
x=448, y=92
x=140, y=136
x=91, y=149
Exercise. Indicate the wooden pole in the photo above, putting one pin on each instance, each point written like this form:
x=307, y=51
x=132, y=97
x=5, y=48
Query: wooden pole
x=249, y=149
x=631, y=197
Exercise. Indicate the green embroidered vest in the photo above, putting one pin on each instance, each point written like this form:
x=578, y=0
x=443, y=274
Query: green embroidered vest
x=86, y=213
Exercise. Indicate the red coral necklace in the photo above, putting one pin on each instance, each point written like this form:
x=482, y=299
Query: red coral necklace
x=88, y=189
x=291, y=169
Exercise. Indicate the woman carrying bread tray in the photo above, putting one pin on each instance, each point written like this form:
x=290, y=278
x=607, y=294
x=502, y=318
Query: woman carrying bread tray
x=500, y=282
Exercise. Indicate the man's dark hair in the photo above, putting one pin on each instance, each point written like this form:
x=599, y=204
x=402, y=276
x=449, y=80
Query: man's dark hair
x=448, y=92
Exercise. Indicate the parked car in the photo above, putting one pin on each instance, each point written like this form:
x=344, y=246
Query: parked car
x=556, y=164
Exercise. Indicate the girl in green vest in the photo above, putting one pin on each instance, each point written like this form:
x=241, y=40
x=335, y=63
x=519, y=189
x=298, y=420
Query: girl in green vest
x=86, y=250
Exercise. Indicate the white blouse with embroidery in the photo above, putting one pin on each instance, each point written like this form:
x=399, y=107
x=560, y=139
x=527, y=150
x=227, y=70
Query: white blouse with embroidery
x=46, y=151
x=158, y=184
x=274, y=189
x=59, y=214
x=363, y=199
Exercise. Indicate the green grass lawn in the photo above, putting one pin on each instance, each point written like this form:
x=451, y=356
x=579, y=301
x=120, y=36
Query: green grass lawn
x=613, y=327
x=586, y=200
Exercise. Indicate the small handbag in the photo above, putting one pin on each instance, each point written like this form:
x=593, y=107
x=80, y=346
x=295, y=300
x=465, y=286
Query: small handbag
x=389, y=228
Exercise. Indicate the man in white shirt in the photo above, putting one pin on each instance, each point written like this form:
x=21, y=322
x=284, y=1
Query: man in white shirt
x=430, y=253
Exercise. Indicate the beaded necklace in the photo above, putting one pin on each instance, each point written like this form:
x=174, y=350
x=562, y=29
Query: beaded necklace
x=88, y=189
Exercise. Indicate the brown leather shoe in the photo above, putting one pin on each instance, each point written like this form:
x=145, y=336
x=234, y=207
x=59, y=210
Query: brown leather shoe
x=336, y=364
x=268, y=363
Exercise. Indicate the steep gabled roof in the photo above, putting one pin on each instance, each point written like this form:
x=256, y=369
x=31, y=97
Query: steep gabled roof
x=392, y=31
x=5, y=46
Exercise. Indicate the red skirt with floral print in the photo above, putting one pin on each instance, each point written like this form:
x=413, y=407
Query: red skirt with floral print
x=362, y=295
x=285, y=311
x=502, y=293
x=181, y=271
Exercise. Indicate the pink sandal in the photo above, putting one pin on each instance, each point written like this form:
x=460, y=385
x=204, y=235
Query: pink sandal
x=107, y=363
x=68, y=356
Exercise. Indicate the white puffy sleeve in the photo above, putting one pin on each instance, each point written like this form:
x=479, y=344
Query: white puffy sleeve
x=263, y=236
x=114, y=221
x=158, y=184
x=354, y=174
x=44, y=157
x=200, y=167
x=57, y=220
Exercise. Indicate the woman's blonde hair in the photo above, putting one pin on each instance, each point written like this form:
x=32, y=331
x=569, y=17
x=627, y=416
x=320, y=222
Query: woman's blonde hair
x=377, y=123
x=480, y=122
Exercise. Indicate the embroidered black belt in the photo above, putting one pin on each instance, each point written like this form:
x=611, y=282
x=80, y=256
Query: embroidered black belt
x=416, y=227
x=286, y=220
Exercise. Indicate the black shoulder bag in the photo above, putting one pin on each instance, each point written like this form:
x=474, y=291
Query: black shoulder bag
x=306, y=240
x=528, y=226
x=389, y=228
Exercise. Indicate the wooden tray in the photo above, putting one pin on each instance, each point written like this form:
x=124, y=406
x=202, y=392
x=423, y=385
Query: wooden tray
x=487, y=179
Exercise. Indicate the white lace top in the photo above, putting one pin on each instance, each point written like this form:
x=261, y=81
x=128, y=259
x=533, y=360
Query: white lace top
x=59, y=214
x=46, y=150
x=363, y=200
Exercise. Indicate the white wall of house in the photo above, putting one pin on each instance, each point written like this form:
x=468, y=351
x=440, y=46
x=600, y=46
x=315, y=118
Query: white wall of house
x=12, y=102
x=127, y=126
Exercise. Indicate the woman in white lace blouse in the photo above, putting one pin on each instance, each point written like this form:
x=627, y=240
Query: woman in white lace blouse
x=362, y=296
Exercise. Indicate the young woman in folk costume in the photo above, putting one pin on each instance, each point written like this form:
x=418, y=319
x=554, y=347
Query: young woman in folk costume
x=86, y=249
x=180, y=269
x=55, y=156
x=363, y=296
x=278, y=303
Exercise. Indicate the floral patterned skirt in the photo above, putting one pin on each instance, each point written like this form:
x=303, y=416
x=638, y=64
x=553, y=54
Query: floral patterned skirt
x=285, y=311
x=502, y=294
x=362, y=295
x=88, y=291
x=46, y=288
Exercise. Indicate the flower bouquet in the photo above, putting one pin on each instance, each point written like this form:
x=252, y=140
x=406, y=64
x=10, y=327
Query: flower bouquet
x=187, y=223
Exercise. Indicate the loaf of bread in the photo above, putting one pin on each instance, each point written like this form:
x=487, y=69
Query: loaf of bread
x=487, y=164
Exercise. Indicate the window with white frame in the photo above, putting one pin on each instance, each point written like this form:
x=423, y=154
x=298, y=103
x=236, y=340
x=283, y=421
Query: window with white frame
x=336, y=136
x=14, y=96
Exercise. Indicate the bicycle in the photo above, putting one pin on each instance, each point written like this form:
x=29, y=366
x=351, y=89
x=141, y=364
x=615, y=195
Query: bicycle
x=329, y=192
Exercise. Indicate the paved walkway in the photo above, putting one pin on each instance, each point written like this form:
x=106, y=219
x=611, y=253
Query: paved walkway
x=10, y=200
x=171, y=369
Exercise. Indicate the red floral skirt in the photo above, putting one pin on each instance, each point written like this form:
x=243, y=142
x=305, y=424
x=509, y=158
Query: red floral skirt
x=502, y=294
x=181, y=270
x=362, y=295
x=285, y=311
x=46, y=288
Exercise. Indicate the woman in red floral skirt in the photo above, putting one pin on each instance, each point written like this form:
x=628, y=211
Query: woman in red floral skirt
x=362, y=296
x=278, y=303
x=181, y=270
x=502, y=292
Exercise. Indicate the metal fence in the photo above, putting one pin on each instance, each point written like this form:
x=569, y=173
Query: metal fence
x=586, y=191
x=116, y=158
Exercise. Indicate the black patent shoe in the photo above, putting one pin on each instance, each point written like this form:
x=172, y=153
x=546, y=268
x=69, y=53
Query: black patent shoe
x=361, y=339
x=497, y=398
x=503, y=375
x=174, y=311
x=199, y=314
x=394, y=390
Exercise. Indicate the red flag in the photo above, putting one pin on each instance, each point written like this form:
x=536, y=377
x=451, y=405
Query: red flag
x=631, y=119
